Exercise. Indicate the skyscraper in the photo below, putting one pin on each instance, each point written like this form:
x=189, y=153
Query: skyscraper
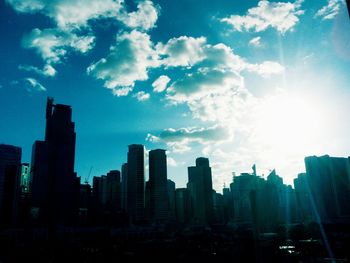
x=25, y=178
x=113, y=191
x=10, y=170
x=159, y=204
x=182, y=205
x=54, y=181
x=136, y=183
x=329, y=182
x=171, y=199
x=200, y=191
x=124, y=185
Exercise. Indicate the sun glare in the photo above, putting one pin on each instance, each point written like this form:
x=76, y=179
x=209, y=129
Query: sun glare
x=290, y=124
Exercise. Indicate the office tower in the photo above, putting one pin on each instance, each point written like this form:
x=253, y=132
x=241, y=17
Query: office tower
x=241, y=189
x=200, y=191
x=159, y=206
x=171, y=199
x=10, y=170
x=25, y=178
x=124, y=185
x=96, y=202
x=84, y=202
x=103, y=191
x=228, y=205
x=113, y=191
x=136, y=183
x=54, y=181
x=40, y=182
x=218, y=204
x=329, y=182
x=147, y=201
x=182, y=205
x=303, y=195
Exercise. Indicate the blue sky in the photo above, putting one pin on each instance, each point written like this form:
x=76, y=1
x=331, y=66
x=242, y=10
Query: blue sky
x=240, y=82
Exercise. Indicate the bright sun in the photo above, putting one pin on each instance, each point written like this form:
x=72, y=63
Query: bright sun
x=290, y=124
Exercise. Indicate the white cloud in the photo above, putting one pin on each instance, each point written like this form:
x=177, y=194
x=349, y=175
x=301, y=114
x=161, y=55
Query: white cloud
x=72, y=19
x=76, y=14
x=144, y=18
x=160, y=84
x=255, y=42
x=52, y=44
x=282, y=16
x=33, y=84
x=128, y=61
x=47, y=71
x=142, y=96
x=182, y=51
x=330, y=10
x=27, y=6
x=70, y=14
x=179, y=140
x=171, y=162
x=266, y=69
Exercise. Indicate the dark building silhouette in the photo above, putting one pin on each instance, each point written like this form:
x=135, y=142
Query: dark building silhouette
x=328, y=179
x=113, y=191
x=84, y=203
x=182, y=205
x=218, y=207
x=136, y=183
x=241, y=188
x=55, y=185
x=10, y=172
x=303, y=195
x=40, y=181
x=147, y=201
x=96, y=203
x=159, y=203
x=124, y=185
x=228, y=205
x=200, y=191
x=171, y=198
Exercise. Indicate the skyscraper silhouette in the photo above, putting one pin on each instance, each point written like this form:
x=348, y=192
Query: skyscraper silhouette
x=200, y=191
x=159, y=203
x=55, y=185
x=10, y=170
x=328, y=179
x=124, y=185
x=136, y=183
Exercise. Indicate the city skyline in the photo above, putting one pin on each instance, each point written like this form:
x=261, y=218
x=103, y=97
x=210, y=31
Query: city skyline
x=46, y=201
x=206, y=82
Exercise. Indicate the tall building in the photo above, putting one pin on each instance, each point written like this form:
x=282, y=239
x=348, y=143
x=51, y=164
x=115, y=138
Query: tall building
x=159, y=204
x=84, y=203
x=200, y=191
x=228, y=205
x=54, y=181
x=241, y=189
x=182, y=205
x=113, y=191
x=171, y=199
x=124, y=185
x=136, y=183
x=303, y=195
x=25, y=178
x=10, y=171
x=329, y=181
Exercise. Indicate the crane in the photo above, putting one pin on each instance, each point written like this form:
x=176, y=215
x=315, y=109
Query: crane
x=88, y=177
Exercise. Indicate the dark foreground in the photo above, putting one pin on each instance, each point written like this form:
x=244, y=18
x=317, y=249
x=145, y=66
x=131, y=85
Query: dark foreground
x=295, y=243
